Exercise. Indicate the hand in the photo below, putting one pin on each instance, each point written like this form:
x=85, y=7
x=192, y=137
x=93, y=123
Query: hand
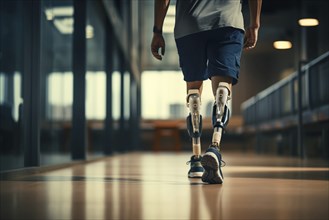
x=157, y=43
x=250, y=38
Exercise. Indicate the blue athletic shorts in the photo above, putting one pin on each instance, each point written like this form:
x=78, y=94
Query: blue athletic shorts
x=210, y=53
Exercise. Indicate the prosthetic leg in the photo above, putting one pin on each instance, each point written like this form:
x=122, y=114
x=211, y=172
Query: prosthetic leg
x=194, y=120
x=212, y=159
x=221, y=113
x=194, y=128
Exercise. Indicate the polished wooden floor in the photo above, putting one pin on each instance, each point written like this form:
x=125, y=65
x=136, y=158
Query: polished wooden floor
x=155, y=186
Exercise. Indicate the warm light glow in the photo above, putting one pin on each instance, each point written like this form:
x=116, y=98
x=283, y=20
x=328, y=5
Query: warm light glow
x=308, y=22
x=282, y=45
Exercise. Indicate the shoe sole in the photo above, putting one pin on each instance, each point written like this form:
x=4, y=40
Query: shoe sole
x=195, y=174
x=211, y=165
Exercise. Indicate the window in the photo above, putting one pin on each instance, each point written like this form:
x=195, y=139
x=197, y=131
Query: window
x=10, y=92
x=60, y=96
x=96, y=95
x=2, y=88
x=164, y=96
x=116, y=86
x=126, y=111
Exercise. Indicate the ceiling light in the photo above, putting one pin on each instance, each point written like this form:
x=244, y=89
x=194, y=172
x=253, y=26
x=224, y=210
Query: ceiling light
x=282, y=45
x=64, y=26
x=63, y=11
x=51, y=13
x=308, y=22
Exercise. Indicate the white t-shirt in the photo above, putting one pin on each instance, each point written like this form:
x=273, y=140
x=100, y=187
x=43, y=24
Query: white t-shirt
x=194, y=16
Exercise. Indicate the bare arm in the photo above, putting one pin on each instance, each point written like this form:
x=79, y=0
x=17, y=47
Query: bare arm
x=160, y=11
x=251, y=35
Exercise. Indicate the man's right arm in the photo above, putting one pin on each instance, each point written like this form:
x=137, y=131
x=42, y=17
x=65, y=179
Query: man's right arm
x=160, y=11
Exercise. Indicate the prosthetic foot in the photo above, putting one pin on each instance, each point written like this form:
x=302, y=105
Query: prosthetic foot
x=221, y=113
x=194, y=128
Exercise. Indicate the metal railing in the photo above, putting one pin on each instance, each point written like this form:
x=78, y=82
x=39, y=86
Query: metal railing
x=277, y=106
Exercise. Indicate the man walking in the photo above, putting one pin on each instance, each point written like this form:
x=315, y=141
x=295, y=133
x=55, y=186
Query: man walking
x=210, y=36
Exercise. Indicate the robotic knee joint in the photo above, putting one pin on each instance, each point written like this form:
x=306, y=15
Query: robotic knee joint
x=194, y=119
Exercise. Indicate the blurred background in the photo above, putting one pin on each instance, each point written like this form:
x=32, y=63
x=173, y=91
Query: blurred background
x=77, y=82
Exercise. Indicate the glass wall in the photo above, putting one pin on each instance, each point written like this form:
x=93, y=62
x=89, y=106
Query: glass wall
x=36, y=81
x=56, y=81
x=11, y=76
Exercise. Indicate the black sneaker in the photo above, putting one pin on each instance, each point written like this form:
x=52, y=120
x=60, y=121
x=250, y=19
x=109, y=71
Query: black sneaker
x=196, y=169
x=212, y=162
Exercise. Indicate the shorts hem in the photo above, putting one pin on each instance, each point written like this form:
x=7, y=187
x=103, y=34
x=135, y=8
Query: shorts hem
x=234, y=76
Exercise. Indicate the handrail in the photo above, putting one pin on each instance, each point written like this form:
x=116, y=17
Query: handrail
x=316, y=61
x=280, y=99
x=282, y=82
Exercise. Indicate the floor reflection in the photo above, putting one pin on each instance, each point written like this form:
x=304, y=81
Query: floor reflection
x=155, y=186
x=213, y=200
x=78, y=192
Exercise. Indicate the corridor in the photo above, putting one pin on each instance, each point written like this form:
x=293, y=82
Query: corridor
x=93, y=126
